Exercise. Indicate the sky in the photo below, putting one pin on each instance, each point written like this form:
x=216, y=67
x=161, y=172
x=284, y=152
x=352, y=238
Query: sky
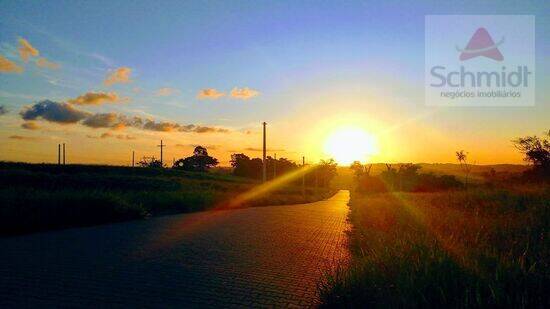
x=111, y=77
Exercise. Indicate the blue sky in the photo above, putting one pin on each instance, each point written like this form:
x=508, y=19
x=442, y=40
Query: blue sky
x=308, y=60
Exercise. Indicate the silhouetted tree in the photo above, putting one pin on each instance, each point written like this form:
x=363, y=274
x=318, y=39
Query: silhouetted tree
x=150, y=162
x=326, y=170
x=252, y=168
x=536, y=151
x=245, y=167
x=200, y=161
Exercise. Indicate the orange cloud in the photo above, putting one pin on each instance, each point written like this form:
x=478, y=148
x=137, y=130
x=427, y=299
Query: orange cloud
x=244, y=93
x=95, y=98
x=7, y=66
x=210, y=93
x=26, y=50
x=120, y=75
x=45, y=63
x=30, y=126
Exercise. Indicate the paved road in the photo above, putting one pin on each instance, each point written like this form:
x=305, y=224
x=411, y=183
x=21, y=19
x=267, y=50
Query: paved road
x=265, y=256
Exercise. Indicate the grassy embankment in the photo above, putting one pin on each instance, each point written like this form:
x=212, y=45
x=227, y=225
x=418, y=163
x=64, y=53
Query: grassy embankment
x=472, y=248
x=39, y=197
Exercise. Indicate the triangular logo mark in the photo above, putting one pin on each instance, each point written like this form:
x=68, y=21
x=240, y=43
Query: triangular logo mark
x=481, y=44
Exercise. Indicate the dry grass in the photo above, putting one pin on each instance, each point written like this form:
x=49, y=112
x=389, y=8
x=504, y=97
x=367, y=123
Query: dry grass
x=461, y=249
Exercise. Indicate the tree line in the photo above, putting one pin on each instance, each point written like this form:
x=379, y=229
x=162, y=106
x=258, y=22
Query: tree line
x=243, y=166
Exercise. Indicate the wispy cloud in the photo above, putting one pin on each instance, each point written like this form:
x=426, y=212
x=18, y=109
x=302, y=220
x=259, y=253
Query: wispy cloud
x=19, y=137
x=244, y=93
x=209, y=93
x=166, y=91
x=30, y=125
x=103, y=59
x=26, y=50
x=95, y=98
x=8, y=66
x=111, y=135
x=260, y=149
x=45, y=63
x=118, y=76
x=211, y=147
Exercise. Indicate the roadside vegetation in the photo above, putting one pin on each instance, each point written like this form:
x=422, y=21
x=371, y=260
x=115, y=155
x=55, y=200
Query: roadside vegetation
x=37, y=197
x=428, y=241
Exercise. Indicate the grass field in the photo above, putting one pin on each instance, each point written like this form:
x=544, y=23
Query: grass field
x=39, y=197
x=475, y=248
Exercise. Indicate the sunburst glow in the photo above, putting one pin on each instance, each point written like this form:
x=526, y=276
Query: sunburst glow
x=350, y=144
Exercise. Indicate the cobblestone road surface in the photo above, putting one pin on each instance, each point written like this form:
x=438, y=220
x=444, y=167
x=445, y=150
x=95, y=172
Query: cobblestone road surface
x=261, y=257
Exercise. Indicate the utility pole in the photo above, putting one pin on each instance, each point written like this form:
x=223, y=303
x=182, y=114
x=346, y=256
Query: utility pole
x=275, y=166
x=63, y=153
x=161, y=146
x=264, y=152
x=58, y=154
x=303, y=176
x=133, y=158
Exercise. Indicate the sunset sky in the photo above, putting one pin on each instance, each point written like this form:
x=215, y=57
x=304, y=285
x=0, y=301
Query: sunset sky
x=109, y=77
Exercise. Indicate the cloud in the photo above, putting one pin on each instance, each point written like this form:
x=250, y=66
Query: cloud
x=166, y=91
x=151, y=125
x=109, y=135
x=105, y=120
x=95, y=98
x=160, y=126
x=26, y=50
x=63, y=113
x=260, y=149
x=3, y=110
x=120, y=75
x=210, y=93
x=30, y=125
x=66, y=113
x=244, y=93
x=203, y=129
x=19, y=137
x=211, y=147
x=45, y=63
x=8, y=66
x=117, y=121
x=118, y=136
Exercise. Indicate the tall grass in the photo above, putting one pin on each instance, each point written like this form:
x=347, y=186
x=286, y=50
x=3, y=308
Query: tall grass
x=473, y=248
x=38, y=197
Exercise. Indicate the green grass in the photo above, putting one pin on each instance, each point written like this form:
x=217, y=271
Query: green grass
x=476, y=248
x=37, y=197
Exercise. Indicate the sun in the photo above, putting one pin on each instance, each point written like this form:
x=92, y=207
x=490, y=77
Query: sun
x=350, y=144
